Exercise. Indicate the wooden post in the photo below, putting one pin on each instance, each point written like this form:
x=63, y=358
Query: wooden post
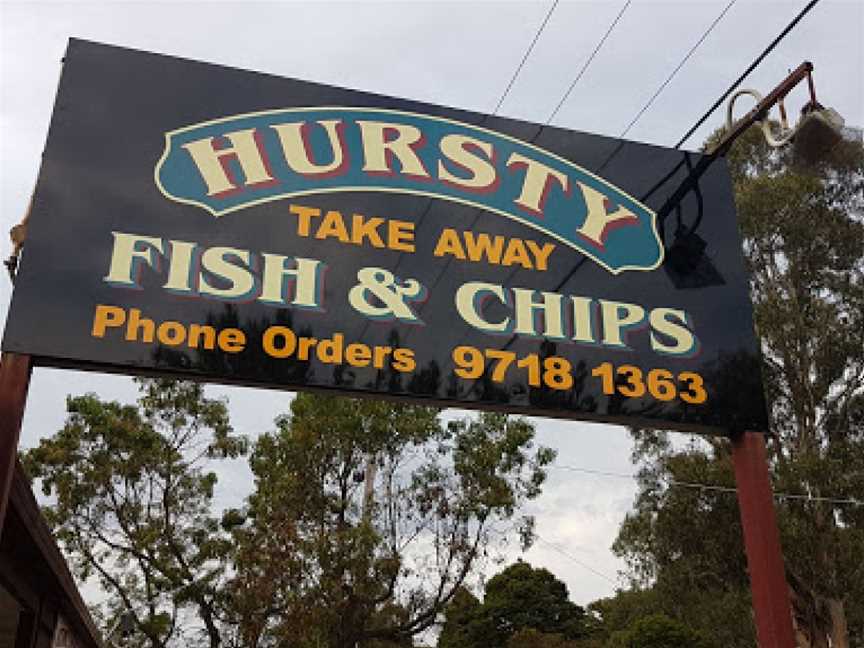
x=771, y=600
x=14, y=382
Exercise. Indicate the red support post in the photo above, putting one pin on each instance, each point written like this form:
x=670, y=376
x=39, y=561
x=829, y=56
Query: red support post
x=15, y=372
x=771, y=601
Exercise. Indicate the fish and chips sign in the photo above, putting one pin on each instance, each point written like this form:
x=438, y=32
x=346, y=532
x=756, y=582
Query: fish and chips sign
x=216, y=224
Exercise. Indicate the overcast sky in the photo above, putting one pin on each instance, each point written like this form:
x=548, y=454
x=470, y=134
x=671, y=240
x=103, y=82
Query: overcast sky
x=460, y=54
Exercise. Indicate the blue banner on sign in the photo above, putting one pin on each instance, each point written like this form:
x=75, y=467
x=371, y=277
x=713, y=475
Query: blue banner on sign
x=232, y=163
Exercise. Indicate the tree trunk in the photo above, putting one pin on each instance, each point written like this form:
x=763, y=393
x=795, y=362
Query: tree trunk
x=839, y=627
x=209, y=624
x=802, y=637
x=801, y=640
x=369, y=476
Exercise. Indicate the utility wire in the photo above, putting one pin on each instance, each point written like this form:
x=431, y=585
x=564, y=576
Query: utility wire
x=537, y=135
x=749, y=69
x=677, y=68
x=540, y=131
x=504, y=94
x=678, y=484
x=525, y=57
x=714, y=487
x=494, y=112
x=582, y=564
x=588, y=62
x=731, y=89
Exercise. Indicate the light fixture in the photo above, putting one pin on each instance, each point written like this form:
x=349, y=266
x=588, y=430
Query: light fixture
x=818, y=129
x=817, y=132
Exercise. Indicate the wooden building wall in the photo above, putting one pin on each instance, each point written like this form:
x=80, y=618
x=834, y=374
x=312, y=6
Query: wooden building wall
x=34, y=573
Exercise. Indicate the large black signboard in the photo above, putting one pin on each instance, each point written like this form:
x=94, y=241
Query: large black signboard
x=237, y=227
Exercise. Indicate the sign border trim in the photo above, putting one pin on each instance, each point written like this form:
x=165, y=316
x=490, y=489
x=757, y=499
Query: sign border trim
x=428, y=194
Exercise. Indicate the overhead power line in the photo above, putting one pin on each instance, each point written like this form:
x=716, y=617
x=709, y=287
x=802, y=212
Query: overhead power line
x=677, y=68
x=547, y=123
x=749, y=69
x=525, y=57
x=582, y=564
x=588, y=62
x=716, y=487
x=504, y=95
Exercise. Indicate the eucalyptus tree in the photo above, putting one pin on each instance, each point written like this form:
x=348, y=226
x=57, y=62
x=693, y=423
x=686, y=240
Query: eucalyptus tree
x=803, y=232
x=132, y=506
x=367, y=518
x=522, y=606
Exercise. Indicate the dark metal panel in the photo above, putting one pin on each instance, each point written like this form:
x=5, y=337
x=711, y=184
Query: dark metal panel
x=105, y=149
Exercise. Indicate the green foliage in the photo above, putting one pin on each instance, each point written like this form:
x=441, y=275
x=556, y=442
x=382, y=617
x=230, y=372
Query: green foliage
x=614, y=614
x=525, y=597
x=804, y=245
x=531, y=638
x=521, y=604
x=686, y=544
x=465, y=624
x=367, y=517
x=365, y=520
x=657, y=631
x=132, y=504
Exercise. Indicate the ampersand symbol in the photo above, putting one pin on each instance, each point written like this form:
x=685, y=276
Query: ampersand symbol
x=390, y=295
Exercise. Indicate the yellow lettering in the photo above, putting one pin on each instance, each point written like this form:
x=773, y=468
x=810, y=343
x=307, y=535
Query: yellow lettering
x=138, y=324
x=449, y=243
x=105, y=317
x=536, y=185
x=127, y=256
x=298, y=154
x=484, y=246
x=599, y=222
x=376, y=147
x=279, y=341
x=541, y=254
x=400, y=235
x=197, y=331
x=617, y=318
x=232, y=340
x=244, y=148
x=483, y=174
x=333, y=226
x=216, y=261
x=363, y=228
x=304, y=215
x=671, y=323
x=516, y=253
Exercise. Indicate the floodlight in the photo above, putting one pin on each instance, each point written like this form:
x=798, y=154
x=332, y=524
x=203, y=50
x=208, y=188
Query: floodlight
x=817, y=132
x=818, y=129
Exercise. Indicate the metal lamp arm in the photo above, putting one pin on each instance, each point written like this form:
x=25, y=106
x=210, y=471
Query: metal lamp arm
x=786, y=133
